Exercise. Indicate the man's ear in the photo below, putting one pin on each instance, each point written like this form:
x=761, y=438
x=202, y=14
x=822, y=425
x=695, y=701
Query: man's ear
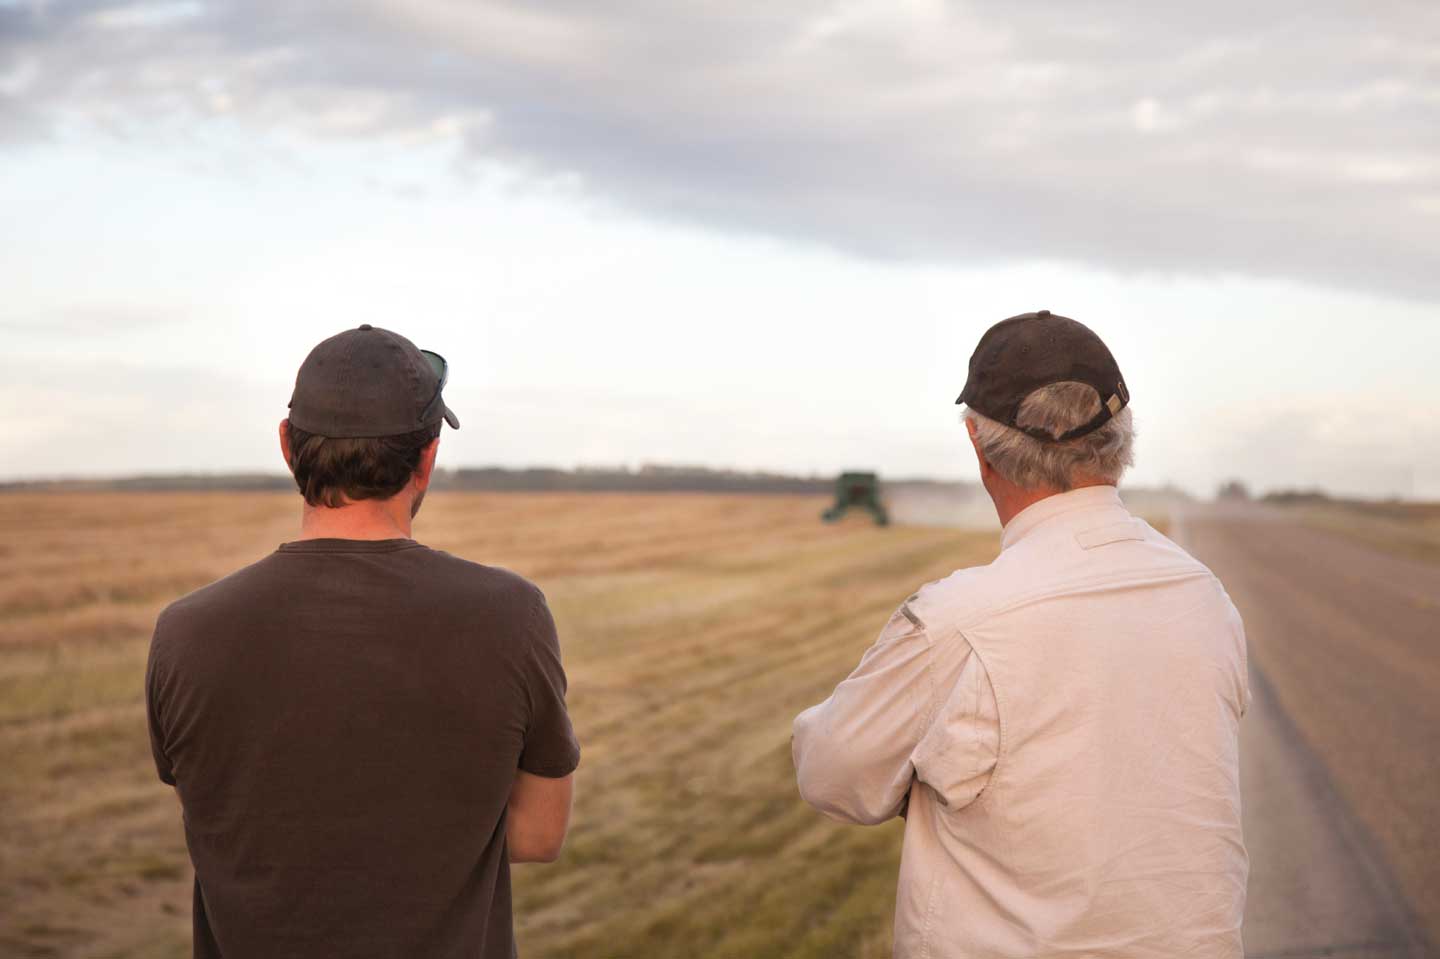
x=285, y=443
x=426, y=466
x=975, y=442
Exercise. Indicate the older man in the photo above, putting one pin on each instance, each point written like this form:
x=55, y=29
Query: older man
x=1060, y=727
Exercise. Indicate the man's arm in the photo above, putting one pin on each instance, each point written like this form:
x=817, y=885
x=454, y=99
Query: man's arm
x=538, y=816
x=853, y=752
x=539, y=805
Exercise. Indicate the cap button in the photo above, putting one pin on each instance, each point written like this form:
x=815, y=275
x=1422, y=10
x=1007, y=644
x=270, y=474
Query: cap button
x=366, y=326
x=1041, y=313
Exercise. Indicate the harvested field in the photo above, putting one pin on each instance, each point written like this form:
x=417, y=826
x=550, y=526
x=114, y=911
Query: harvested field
x=694, y=628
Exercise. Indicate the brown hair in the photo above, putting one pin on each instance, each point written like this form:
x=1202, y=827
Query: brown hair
x=331, y=470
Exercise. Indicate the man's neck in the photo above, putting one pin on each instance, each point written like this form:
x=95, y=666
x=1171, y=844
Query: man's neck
x=1012, y=501
x=366, y=519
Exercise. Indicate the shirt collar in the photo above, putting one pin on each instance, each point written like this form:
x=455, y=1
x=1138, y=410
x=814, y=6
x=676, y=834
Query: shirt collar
x=1087, y=497
x=336, y=544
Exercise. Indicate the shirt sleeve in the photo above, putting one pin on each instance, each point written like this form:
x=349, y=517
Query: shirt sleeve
x=1242, y=655
x=551, y=748
x=958, y=753
x=153, y=705
x=853, y=752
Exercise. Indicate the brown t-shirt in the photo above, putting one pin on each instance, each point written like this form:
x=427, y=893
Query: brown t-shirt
x=343, y=720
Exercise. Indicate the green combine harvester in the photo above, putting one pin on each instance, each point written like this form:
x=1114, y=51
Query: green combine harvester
x=858, y=491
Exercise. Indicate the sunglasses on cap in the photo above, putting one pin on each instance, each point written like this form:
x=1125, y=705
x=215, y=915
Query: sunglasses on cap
x=442, y=373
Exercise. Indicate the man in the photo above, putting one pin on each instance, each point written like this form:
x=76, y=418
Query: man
x=364, y=732
x=1059, y=728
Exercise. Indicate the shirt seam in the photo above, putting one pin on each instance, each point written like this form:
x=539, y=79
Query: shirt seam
x=1002, y=746
x=972, y=743
x=1061, y=589
x=931, y=706
x=925, y=939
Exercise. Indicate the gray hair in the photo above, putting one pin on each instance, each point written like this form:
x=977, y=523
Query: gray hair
x=1100, y=455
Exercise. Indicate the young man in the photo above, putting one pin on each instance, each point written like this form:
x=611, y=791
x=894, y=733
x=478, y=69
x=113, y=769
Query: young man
x=364, y=732
x=1060, y=727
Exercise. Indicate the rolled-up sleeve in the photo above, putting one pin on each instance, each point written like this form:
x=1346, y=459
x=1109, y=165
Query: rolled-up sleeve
x=853, y=752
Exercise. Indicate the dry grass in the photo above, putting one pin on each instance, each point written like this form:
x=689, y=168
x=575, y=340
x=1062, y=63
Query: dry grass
x=1411, y=530
x=695, y=627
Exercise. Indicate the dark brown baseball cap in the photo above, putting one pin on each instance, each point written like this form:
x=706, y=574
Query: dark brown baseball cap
x=370, y=382
x=1019, y=355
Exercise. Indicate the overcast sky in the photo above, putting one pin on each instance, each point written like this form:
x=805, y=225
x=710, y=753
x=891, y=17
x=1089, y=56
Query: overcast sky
x=753, y=234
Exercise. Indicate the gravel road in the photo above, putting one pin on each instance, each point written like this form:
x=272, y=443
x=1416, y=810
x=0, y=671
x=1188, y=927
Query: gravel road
x=1341, y=749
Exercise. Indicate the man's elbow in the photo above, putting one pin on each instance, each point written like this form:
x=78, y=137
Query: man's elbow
x=548, y=854
x=536, y=848
x=850, y=809
x=540, y=844
x=839, y=798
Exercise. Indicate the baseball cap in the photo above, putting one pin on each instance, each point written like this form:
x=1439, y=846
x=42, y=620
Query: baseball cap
x=1019, y=355
x=369, y=382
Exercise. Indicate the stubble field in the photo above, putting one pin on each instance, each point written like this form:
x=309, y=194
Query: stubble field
x=694, y=628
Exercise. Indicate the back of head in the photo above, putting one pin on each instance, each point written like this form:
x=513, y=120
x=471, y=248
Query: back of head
x=333, y=471
x=366, y=404
x=1048, y=403
x=1100, y=456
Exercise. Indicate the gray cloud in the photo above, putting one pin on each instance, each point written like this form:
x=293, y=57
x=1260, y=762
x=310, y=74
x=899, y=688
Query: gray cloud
x=1284, y=139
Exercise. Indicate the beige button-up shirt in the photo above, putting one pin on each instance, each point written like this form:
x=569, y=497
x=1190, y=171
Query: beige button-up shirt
x=1062, y=725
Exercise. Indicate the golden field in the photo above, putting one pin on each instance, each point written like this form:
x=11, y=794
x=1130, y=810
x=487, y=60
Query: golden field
x=694, y=628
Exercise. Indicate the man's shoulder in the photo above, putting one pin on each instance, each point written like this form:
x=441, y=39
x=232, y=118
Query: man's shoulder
x=477, y=582
x=1060, y=560
x=443, y=577
x=956, y=598
x=218, y=597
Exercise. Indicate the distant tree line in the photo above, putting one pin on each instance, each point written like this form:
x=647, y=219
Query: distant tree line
x=1297, y=497
x=647, y=478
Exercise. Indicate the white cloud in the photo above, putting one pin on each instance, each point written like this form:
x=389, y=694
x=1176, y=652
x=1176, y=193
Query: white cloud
x=1150, y=116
